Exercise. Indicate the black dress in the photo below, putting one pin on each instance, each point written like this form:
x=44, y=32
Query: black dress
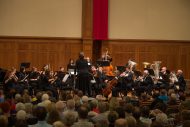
x=83, y=76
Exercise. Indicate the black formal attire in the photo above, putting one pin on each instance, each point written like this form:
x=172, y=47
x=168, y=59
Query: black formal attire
x=100, y=82
x=146, y=84
x=128, y=81
x=34, y=80
x=181, y=82
x=70, y=66
x=164, y=80
x=83, y=76
x=60, y=76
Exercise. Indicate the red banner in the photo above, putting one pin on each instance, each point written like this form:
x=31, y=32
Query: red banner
x=100, y=19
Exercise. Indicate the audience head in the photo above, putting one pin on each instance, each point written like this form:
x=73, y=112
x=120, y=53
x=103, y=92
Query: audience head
x=69, y=118
x=41, y=113
x=21, y=115
x=112, y=116
x=60, y=106
x=121, y=112
x=121, y=123
x=84, y=99
x=102, y=107
x=5, y=107
x=58, y=124
x=70, y=104
x=53, y=116
x=162, y=118
x=3, y=121
x=137, y=113
x=28, y=107
x=93, y=104
x=131, y=121
x=145, y=111
x=20, y=106
x=45, y=97
x=128, y=108
x=83, y=112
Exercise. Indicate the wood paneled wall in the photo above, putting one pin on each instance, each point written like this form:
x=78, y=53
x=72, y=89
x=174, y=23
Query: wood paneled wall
x=38, y=51
x=57, y=52
x=173, y=54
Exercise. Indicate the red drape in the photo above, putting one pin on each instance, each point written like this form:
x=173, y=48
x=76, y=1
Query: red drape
x=100, y=19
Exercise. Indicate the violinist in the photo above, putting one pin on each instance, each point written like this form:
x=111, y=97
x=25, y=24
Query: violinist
x=34, y=78
x=61, y=73
x=52, y=82
x=101, y=79
x=52, y=78
x=22, y=77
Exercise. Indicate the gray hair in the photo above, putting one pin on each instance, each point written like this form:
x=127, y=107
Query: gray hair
x=21, y=115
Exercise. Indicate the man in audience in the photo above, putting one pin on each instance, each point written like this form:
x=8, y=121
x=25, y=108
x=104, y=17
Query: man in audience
x=70, y=108
x=121, y=123
x=83, y=121
x=41, y=113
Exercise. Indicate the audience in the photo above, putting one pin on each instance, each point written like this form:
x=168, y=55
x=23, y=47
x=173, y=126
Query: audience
x=73, y=109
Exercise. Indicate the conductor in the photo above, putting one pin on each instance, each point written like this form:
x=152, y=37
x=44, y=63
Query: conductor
x=83, y=77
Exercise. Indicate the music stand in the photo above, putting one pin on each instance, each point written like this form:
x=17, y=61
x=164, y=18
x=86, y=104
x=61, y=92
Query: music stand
x=25, y=64
x=121, y=68
x=103, y=63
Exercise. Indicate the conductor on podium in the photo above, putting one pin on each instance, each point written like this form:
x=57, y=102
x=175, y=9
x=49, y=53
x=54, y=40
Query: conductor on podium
x=83, y=77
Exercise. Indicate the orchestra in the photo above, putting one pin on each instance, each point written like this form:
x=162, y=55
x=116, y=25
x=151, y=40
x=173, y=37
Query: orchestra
x=93, y=78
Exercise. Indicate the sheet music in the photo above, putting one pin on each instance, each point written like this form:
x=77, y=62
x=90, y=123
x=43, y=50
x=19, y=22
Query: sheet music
x=65, y=78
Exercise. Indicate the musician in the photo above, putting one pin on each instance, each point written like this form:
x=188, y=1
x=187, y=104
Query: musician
x=52, y=82
x=34, y=78
x=11, y=80
x=127, y=79
x=22, y=77
x=100, y=78
x=146, y=83
x=89, y=61
x=52, y=78
x=61, y=73
x=83, y=77
x=164, y=78
x=106, y=56
x=173, y=80
x=71, y=64
x=181, y=80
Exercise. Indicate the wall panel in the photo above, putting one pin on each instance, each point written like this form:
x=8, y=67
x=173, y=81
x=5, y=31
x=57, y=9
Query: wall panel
x=173, y=54
x=38, y=51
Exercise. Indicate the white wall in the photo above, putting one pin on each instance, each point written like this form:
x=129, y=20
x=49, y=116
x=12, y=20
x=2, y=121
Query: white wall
x=149, y=19
x=57, y=18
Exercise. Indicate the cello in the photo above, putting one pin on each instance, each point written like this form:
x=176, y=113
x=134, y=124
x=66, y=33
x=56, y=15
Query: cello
x=111, y=84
